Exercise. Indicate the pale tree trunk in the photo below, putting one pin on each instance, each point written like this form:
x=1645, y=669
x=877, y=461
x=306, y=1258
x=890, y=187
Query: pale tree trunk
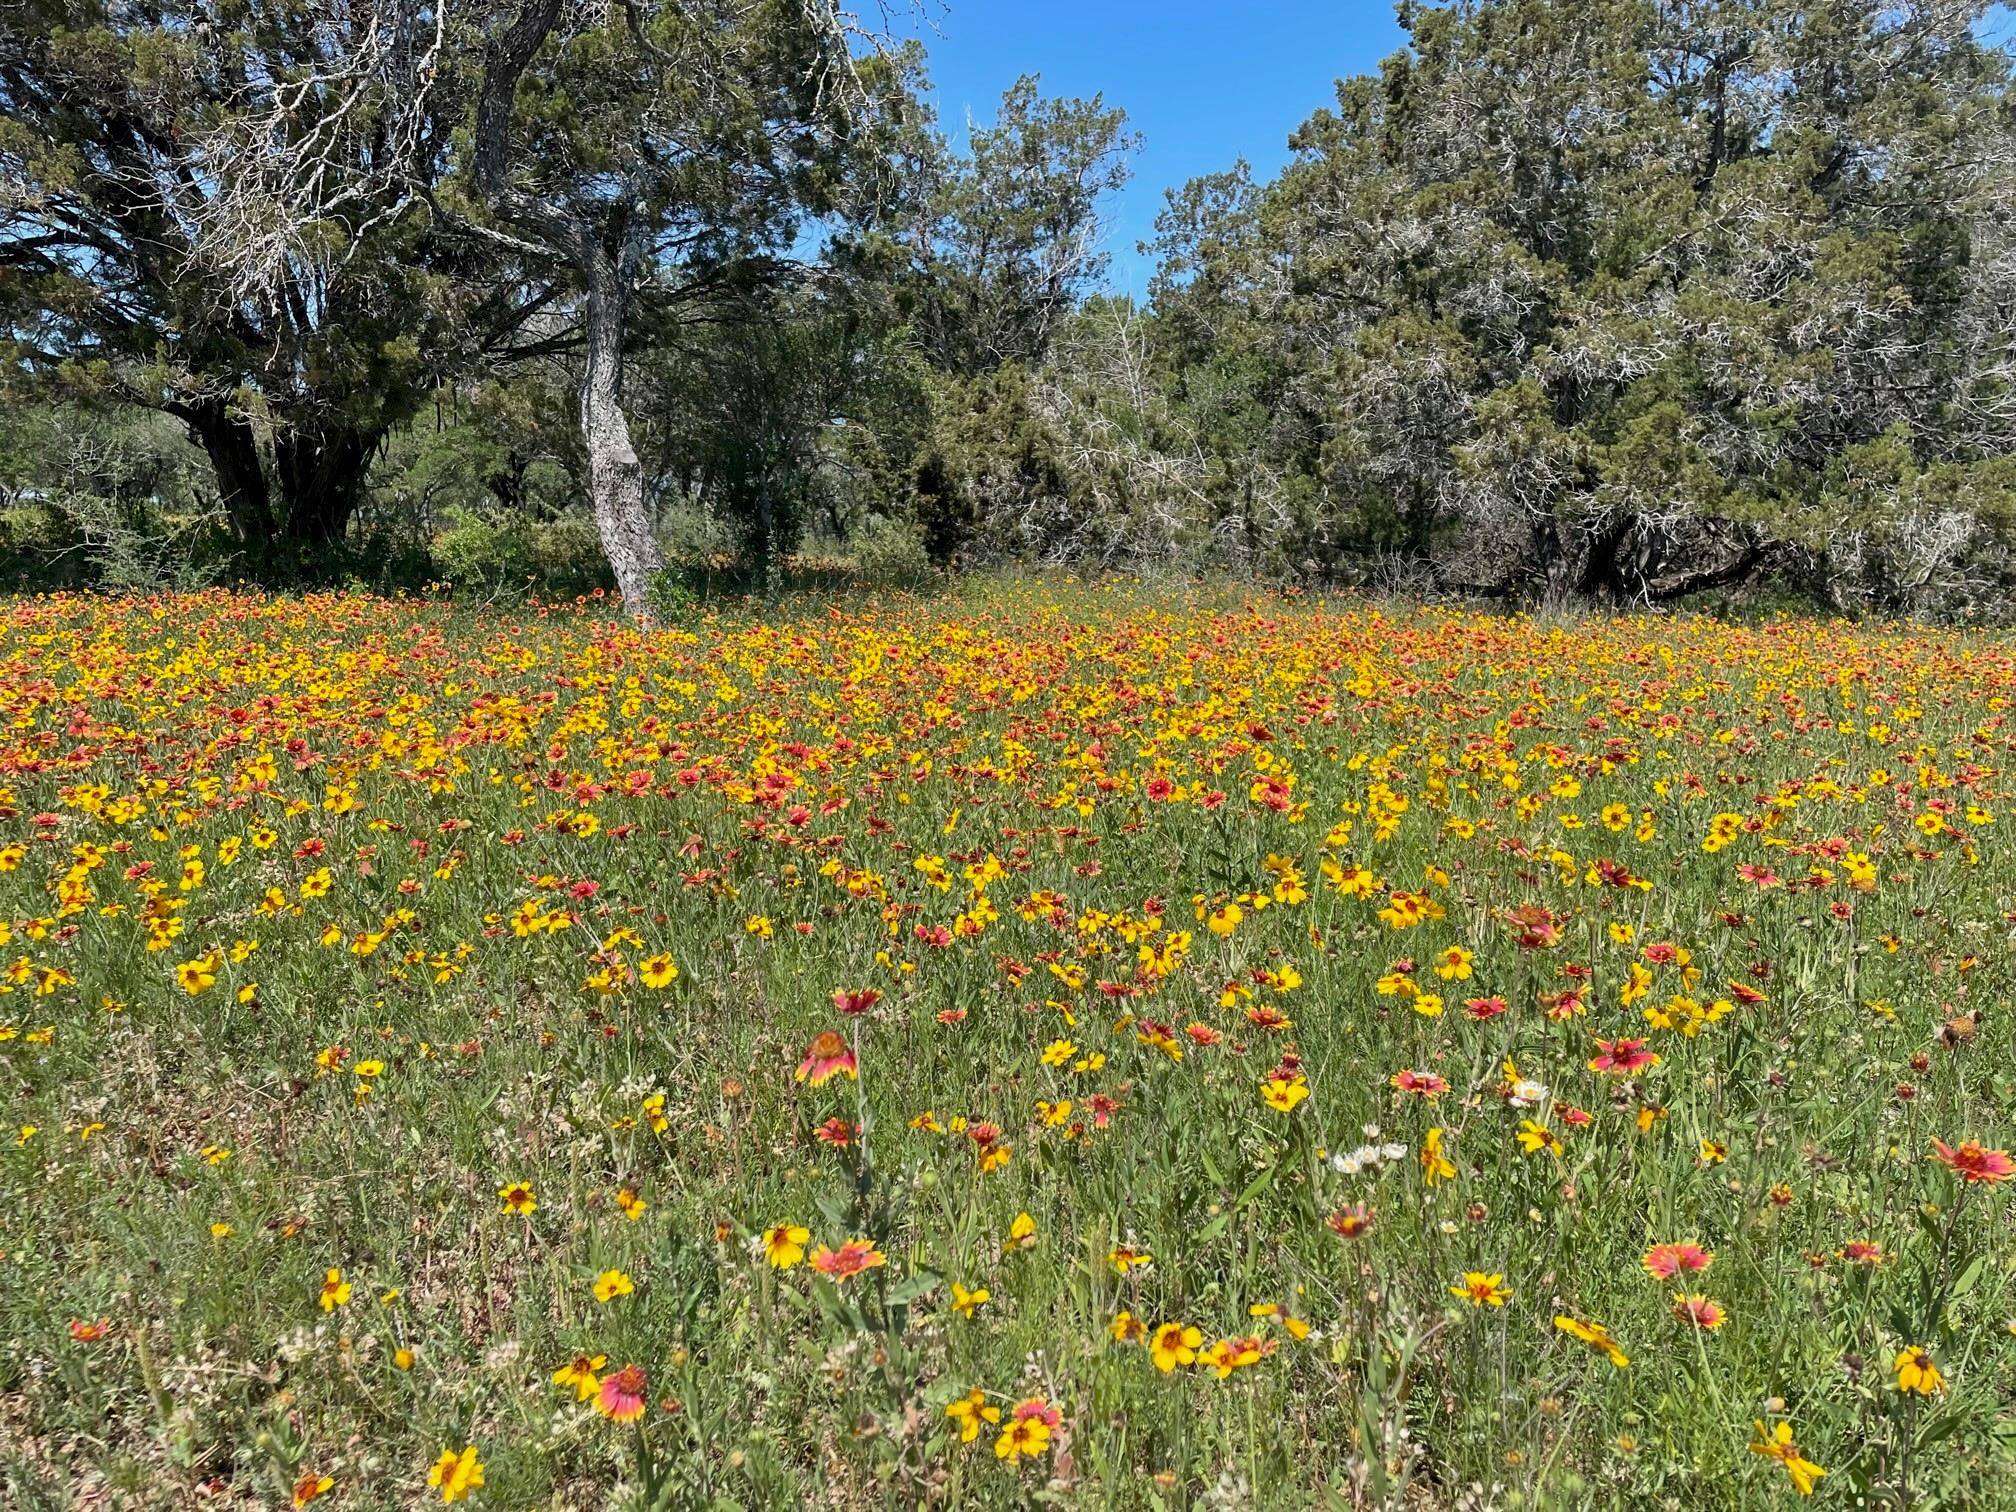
x=615, y=477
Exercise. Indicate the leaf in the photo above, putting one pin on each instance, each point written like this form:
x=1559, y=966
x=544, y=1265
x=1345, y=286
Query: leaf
x=834, y=1212
x=1900, y=1323
x=843, y=1310
x=1943, y=1427
x=1965, y=1283
x=913, y=1286
x=1256, y=1186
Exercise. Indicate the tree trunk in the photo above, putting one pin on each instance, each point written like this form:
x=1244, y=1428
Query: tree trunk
x=615, y=477
x=318, y=468
x=769, y=560
x=1602, y=573
x=1551, y=561
x=226, y=436
x=321, y=472
x=507, y=481
x=1736, y=568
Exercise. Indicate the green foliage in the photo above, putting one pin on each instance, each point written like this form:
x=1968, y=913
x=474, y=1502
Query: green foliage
x=987, y=478
x=508, y=446
x=1624, y=300
x=1617, y=301
x=890, y=553
x=107, y=497
x=1010, y=232
x=141, y=264
x=553, y=559
x=674, y=600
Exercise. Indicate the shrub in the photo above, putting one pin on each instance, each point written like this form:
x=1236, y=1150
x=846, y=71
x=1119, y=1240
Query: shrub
x=890, y=553
x=556, y=558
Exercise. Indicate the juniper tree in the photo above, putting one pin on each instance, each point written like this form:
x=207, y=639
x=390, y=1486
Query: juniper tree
x=1633, y=297
x=209, y=208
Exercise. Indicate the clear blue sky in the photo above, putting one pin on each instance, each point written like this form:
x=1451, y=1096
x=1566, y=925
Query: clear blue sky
x=1203, y=84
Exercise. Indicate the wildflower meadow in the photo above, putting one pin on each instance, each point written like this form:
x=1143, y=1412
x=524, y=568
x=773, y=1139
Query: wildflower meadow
x=1052, y=1044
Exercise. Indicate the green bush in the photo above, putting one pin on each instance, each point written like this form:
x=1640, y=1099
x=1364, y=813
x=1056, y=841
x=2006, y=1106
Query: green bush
x=890, y=553
x=673, y=600
x=40, y=549
x=555, y=559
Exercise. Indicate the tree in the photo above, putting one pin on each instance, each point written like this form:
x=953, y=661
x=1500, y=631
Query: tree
x=136, y=267
x=980, y=258
x=756, y=404
x=1010, y=238
x=1637, y=297
x=99, y=496
x=667, y=153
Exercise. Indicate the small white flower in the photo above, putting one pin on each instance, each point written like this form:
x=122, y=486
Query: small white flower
x=1528, y=1093
x=1394, y=1151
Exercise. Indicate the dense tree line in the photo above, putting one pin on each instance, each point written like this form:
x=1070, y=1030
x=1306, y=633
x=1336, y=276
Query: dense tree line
x=1625, y=300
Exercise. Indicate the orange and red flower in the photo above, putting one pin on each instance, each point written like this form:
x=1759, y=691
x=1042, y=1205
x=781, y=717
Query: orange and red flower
x=1663, y=1262
x=849, y=1260
x=829, y=1055
x=620, y=1398
x=1973, y=1163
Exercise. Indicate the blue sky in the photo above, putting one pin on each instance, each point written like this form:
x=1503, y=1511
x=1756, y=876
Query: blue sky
x=1202, y=83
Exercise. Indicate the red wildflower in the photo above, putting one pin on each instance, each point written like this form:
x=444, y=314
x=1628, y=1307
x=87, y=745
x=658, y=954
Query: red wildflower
x=1352, y=1222
x=851, y=1259
x=621, y=1396
x=1663, y=1262
x=1974, y=1164
x=1420, y=1083
x=828, y=1056
x=1563, y=1005
x=1623, y=1056
x=1698, y=1310
x=837, y=1132
x=1037, y=1408
x=1534, y=927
